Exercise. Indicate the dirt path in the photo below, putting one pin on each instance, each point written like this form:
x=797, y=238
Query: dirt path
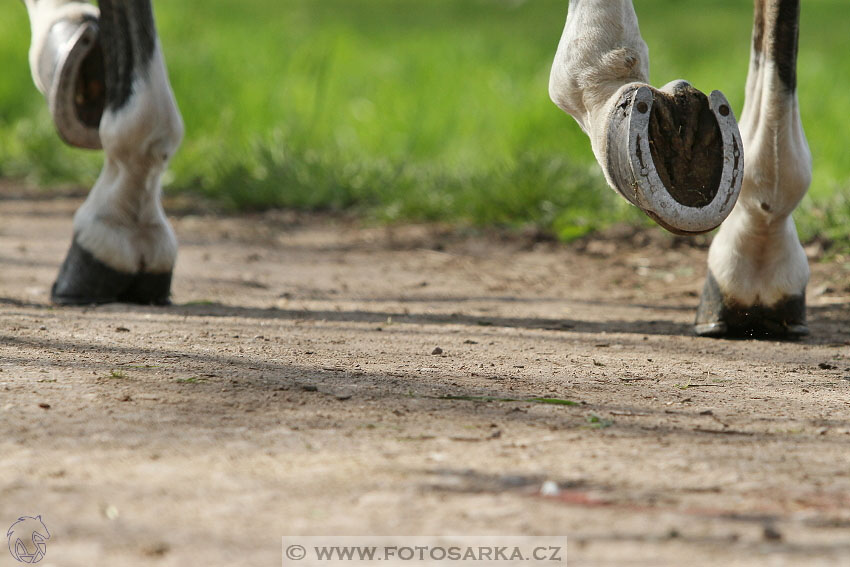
x=292, y=389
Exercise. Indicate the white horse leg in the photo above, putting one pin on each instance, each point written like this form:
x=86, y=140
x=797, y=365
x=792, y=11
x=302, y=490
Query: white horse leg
x=123, y=247
x=673, y=152
x=758, y=271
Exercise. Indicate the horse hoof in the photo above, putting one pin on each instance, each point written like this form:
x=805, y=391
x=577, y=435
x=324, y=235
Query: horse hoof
x=71, y=71
x=677, y=155
x=85, y=280
x=714, y=330
x=719, y=317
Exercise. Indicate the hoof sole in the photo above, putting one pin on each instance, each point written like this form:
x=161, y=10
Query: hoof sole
x=85, y=280
x=676, y=154
x=718, y=317
x=71, y=68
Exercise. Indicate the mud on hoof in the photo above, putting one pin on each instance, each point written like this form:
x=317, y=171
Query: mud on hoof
x=85, y=280
x=676, y=154
x=719, y=317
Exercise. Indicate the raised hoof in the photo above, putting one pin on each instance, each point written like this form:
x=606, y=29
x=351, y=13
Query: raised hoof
x=718, y=317
x=85, y=280
x=71, y=69
x=676, y=154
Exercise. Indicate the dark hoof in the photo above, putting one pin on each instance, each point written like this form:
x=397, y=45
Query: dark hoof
x=85, y=280
x=718, y=317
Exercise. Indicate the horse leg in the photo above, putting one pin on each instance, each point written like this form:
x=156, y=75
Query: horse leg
x=757, y=270
x=673, y=152
x=104, y=76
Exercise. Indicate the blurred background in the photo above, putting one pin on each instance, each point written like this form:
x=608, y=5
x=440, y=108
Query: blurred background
x=421, y=109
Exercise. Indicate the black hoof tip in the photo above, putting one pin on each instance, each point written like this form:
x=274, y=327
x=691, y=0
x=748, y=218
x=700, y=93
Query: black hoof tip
x=718, y=317
x=85, y=280
x=797, y=331
x=148, y=289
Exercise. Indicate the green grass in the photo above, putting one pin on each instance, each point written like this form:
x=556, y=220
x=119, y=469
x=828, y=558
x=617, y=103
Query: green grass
x=596, y=422
x=421, y=109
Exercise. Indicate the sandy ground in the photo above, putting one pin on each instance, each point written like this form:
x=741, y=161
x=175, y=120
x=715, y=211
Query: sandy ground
x=293, y=389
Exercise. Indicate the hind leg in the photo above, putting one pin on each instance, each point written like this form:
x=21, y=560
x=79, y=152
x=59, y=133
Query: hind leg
x=758, y=271
x=104, y=77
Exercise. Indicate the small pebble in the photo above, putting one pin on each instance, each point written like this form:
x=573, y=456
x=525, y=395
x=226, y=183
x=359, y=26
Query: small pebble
x=437, y=351
x=158, y=549
x=550, y=488
x=771, y=533
x=44, y=405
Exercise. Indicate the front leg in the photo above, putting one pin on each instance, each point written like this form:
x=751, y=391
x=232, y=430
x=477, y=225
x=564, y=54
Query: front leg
x=123, y=247
x=758, y=270
x=673, y=152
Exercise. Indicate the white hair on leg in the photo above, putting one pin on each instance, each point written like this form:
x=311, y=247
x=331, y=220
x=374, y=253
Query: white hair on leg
x=756, y=259
x=601, y=52
x=43, y=15
x=122, y=222
x=673, y=152
x=123, y=247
